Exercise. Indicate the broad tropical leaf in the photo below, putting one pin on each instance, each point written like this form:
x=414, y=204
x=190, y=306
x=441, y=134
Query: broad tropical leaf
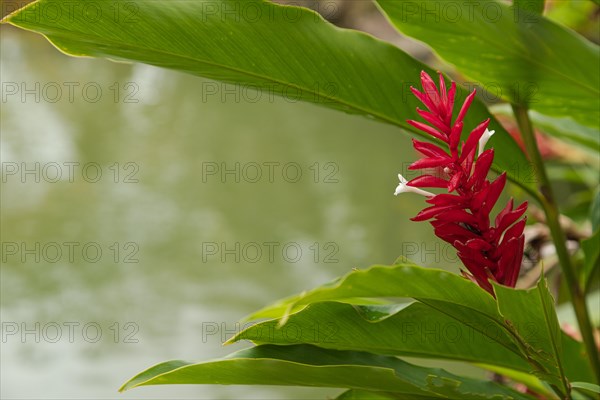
x=443, y=291
x=520, y=56
x=283, y=50
x=415, y=330
x=304, y=365
x=397, y=281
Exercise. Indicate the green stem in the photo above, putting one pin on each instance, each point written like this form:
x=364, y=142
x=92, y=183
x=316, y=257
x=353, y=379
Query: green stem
x=558, y=236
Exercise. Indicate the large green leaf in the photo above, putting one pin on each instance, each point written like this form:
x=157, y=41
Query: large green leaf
x=532, y=316
x=304, y=365
x=525, y=58
x=443, y=291
x=283, y=50
x=416, y=330
x=398, y=281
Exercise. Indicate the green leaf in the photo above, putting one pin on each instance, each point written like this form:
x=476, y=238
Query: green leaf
x=522, y=57
x=445, y=292
x=533, y=6
x=587, y=388
x=283, y=50
x=304, y=365
x=415, y=330
x=532, y=317
x=397, y=281
x=591, y=249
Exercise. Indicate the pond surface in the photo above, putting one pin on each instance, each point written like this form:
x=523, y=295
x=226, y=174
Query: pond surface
x=145, y=211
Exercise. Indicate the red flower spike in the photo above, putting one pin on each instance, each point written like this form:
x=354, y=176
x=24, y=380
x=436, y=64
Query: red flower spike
x=461, y=217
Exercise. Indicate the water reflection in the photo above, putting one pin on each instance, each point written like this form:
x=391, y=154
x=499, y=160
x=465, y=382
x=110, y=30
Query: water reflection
x=165, y=221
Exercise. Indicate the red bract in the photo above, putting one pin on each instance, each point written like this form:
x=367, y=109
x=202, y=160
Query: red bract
x=461, y=217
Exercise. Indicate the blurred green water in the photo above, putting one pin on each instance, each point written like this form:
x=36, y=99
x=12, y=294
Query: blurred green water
x=156, y=205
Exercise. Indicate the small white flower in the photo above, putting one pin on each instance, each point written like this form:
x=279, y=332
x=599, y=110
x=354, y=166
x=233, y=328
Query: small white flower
x=484, y=139
x=403, y=188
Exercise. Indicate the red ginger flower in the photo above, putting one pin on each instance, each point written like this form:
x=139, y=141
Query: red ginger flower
x=463, y=219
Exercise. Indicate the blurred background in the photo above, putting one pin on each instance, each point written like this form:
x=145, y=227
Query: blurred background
x=144, y=212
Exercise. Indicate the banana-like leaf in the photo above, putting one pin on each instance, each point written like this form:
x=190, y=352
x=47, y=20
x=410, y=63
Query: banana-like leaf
x=305, y=365
x=443, y=291
x=515, y=54
x=283, y=50
x=416, y=330
x=398, y=281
